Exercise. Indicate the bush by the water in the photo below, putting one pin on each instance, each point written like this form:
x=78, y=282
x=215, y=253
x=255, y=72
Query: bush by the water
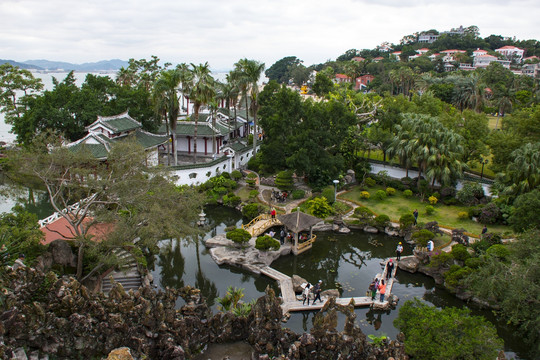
x=454, y=276
x=239, y=236
x=459, y=252
x=251, y=211
x=406, y=221
x=382, y=221
x=320, y=208
x=266, y=242
x=421, y=237
x=363, y=213
x=430, y=331
x=231, y=200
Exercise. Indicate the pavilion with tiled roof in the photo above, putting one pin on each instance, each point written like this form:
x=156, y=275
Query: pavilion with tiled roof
x=107, y=130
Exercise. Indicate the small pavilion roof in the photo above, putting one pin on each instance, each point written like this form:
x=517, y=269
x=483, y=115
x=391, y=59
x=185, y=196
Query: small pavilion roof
x=298, y=221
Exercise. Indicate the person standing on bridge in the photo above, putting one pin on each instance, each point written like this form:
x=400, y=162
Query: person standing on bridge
x=373, y=288
x=317, y=292
x=273, y=214
x=399, y=250
x=305, y=293
x=382, y=289
x=389, y=268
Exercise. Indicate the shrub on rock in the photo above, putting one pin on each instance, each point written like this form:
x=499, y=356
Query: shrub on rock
x=239, y=236
x=266, y=242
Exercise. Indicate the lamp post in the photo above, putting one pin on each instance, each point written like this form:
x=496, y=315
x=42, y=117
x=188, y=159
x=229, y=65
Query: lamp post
x=483, y=162
x=335, y=189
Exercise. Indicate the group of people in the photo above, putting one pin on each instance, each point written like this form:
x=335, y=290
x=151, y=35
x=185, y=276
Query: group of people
x=315, y=290
x=378, y=285
x=279, y=196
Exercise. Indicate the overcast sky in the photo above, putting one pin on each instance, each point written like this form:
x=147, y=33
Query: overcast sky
x=223, y=31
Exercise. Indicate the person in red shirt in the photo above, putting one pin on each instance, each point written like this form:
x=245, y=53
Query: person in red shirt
x=273, y=213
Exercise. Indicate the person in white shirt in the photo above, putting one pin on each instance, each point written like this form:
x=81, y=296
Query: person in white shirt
x=19, y=263
x=430, y=245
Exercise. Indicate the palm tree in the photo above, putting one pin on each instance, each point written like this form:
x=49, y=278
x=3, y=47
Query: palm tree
x=229, y=92
x=469, y=92
x=444, y=165
x=201, y=92
x=165, y=95
x=251, y=71
x=524, y=171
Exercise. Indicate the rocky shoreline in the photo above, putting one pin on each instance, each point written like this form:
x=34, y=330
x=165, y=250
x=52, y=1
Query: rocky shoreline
x=44, y=317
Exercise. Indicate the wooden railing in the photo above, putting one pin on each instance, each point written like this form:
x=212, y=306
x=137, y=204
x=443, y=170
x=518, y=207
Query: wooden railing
x=303, y=246
x=255, y=220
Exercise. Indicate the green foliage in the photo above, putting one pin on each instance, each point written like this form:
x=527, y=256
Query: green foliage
x=328, y=193
x=433, y=200
x=370, y=182
x=390, y=191
x=454, y=276
x=251, y=211
x=232, y=302
x=459, y=252
x=382, y=221
x=239, y=236
x=474, y=262
x=407, y=193
x=251, y=179
x=236, y=175
x=463, y=215
x=430, y=209
x=470, y=193
x=364, y=195
x=513, y=286
x=284, y=180
x=499, y=251
x=266, y=242
x=421, y=237
x=363, y=213
x=253, y=194
x=320, y=208
x=525, y=214
x=231, y=200
x=298, y=194
x=380, y=195
x=22, y=229
x=442, y=259
x=406, y=221
x=490, y=214
x=377, y=340
x=429, y=331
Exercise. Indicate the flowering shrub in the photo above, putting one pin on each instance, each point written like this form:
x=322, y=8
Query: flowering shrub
x=462, y=215
x=390, y=191
x=433, y=200
x=364, y=195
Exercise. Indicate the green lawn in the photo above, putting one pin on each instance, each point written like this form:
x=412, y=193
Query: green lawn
x=397, y=205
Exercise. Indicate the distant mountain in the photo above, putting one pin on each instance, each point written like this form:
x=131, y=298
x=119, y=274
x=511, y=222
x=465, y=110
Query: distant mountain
x=104, y=65
x=21, y=65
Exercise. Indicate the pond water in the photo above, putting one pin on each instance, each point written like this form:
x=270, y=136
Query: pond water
x=346, y=262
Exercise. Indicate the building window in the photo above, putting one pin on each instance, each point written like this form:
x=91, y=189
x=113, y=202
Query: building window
x=224, y=166
x=241, y=158
x=192, y=175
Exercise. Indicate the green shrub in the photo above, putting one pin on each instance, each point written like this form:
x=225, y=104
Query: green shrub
x=430, y=209
x=453, y=277
x=421, y=237
x=284, y=180
x=226, y=175
x=433, y=200
x=442, y=259
x=499, y=251
x=328, y=193
x=436, y=195
x=236, y=175
x=382, y=221
x=407, y=193
x=406, y=221
x=319, y=207
x=390, y=191
x=481, y=246
x=470, y=193
x=251, y=211
x=463, y=215
x=221, y=190
x=363, y=213
x=380, y=195
x=298, y=194
x=266, y=242
x=459, y=252
x=474, y=262
x=231, y=200
x=490, y=214
x=370, y=182
x=251, y=180
x=253, y=194
x=364, y=195
x=239, y=236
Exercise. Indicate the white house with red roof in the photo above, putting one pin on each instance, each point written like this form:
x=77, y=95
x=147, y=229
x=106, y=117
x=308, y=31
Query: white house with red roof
x=396, y=54
x=449, y=55
x=511, y=52
x=341, y=78
x=378, y=58
x=363, y=81
x=479, y=52
x=358, y=58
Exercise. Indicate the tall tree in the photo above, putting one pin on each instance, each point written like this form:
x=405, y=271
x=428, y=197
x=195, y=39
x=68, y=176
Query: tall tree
x=251, y=71
x=201, y=91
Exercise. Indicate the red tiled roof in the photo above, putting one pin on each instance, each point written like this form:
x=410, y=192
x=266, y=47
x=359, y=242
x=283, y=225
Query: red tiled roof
x=508, y=47
x=341, y=76
x=61, y=230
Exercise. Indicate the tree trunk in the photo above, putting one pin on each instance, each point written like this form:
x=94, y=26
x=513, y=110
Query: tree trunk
x=80, y=257
x=254, y=134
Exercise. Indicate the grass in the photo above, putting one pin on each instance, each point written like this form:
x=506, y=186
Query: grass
x=492, y=122
x=397, y=205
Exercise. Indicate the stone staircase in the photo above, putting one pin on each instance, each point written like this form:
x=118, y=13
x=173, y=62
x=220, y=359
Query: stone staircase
x=127, y=274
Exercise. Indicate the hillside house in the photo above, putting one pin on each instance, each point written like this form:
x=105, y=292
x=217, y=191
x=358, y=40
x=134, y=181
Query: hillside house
x=511, y=53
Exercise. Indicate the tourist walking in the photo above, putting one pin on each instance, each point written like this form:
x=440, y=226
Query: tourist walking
x=273, y=214
x=282, y=236
x=382, y=290
x=399, y=250
x=415, y=214
x=305, y=294
x=389, y=268
x=19, y=263
x=373, y=288
x=317, y=292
